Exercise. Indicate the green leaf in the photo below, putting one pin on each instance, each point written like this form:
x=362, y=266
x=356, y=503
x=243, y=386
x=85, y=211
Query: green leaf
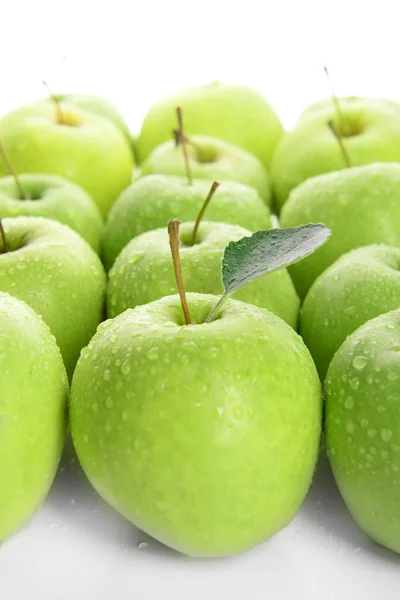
x=267, y=251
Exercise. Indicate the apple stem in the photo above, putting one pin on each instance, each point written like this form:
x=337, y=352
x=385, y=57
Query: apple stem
x=4, y=239
x=335, y=99
x=339, y=138
x=12, y=171
x=57, y=104
x=173, y=232
x=203, y=210
x=182, y=140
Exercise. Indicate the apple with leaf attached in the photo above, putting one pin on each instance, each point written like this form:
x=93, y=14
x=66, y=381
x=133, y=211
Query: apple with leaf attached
x=182, y=414
x=142, y=272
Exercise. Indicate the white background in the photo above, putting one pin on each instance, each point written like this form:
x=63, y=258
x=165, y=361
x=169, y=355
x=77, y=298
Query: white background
x=132, y=52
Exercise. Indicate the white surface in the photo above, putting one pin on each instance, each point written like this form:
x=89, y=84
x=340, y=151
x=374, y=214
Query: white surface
x=77, y=548
x=134, y=51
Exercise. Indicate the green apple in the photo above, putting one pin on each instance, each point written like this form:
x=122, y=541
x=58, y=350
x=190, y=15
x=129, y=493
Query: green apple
x=362, y=426
x=143, y=271
x=55, y=271
x=151, y=201
x=33, y=412
x=98, y=106
x=371, y=133
x=360, y=205
x=195, y=433
x=82, y=147
x=84, y=102
x=210, y=158
x=237, y=114
x=323, y=108
x=55, y=198
x=359, y=286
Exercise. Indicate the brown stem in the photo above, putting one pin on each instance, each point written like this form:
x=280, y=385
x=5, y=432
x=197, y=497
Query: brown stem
x=173, y=232
x=339, y=138
x=12, y=171
x=203, y=210
x=57, y=104
x=335, y=99
x=3, y=239
x=182, y=140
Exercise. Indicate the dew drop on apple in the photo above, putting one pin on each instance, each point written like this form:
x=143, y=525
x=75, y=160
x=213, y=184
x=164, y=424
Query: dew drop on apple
x=109, y=403
x=360, y=362
x=386, y=434
x=125, y=367
x=350, y=427
x=371, y=433
x=107, y=375
x=354, y=383
x=349, y=402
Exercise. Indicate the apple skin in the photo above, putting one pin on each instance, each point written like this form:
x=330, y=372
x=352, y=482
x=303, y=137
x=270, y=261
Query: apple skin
x=360, y=206
x=150, y=202
x=311, y=149
x=33, y=412
x=362, y=428
x=55, y=198
x=143, y=271
x=237, y=114
x=210, y=158
x=99, y=106
x=57, y=273
x=89, y=150
x=195, y=433
x=359, y=286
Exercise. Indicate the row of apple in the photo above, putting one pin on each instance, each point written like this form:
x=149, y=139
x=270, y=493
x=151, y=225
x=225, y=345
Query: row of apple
x=198, y=416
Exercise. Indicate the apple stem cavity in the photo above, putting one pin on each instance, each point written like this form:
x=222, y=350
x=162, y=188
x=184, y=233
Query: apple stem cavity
x=182, y=140
x=339, y=113
x=203, y=210
x=173, y=232
x=13, y=172
x=339, y=139
x=57, y=104
x=5, y=247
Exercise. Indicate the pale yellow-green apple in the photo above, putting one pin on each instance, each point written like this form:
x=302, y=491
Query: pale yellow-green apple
x=72, y=143
x=362, y=426
x=151, y=201
x=33, y=412
x=142, y=272
x=54, y=270
x=195, y=433
x=234, y=113
x=182, y=412
x=370, y=129
x=210, y=158
x=359, y=286
x=55, y=198
x=360, y=205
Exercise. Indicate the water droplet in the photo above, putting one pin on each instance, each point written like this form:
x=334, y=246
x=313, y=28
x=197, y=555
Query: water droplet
x=390, y=325
x=125, y=367
x=142, y=545
x=107, y=375
x=349, y=402
x=350, y=427
x=355, y=383
x=359, y=362
x=371, y=432
x=392, y=376
x=109, y=403
x=386, y=435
